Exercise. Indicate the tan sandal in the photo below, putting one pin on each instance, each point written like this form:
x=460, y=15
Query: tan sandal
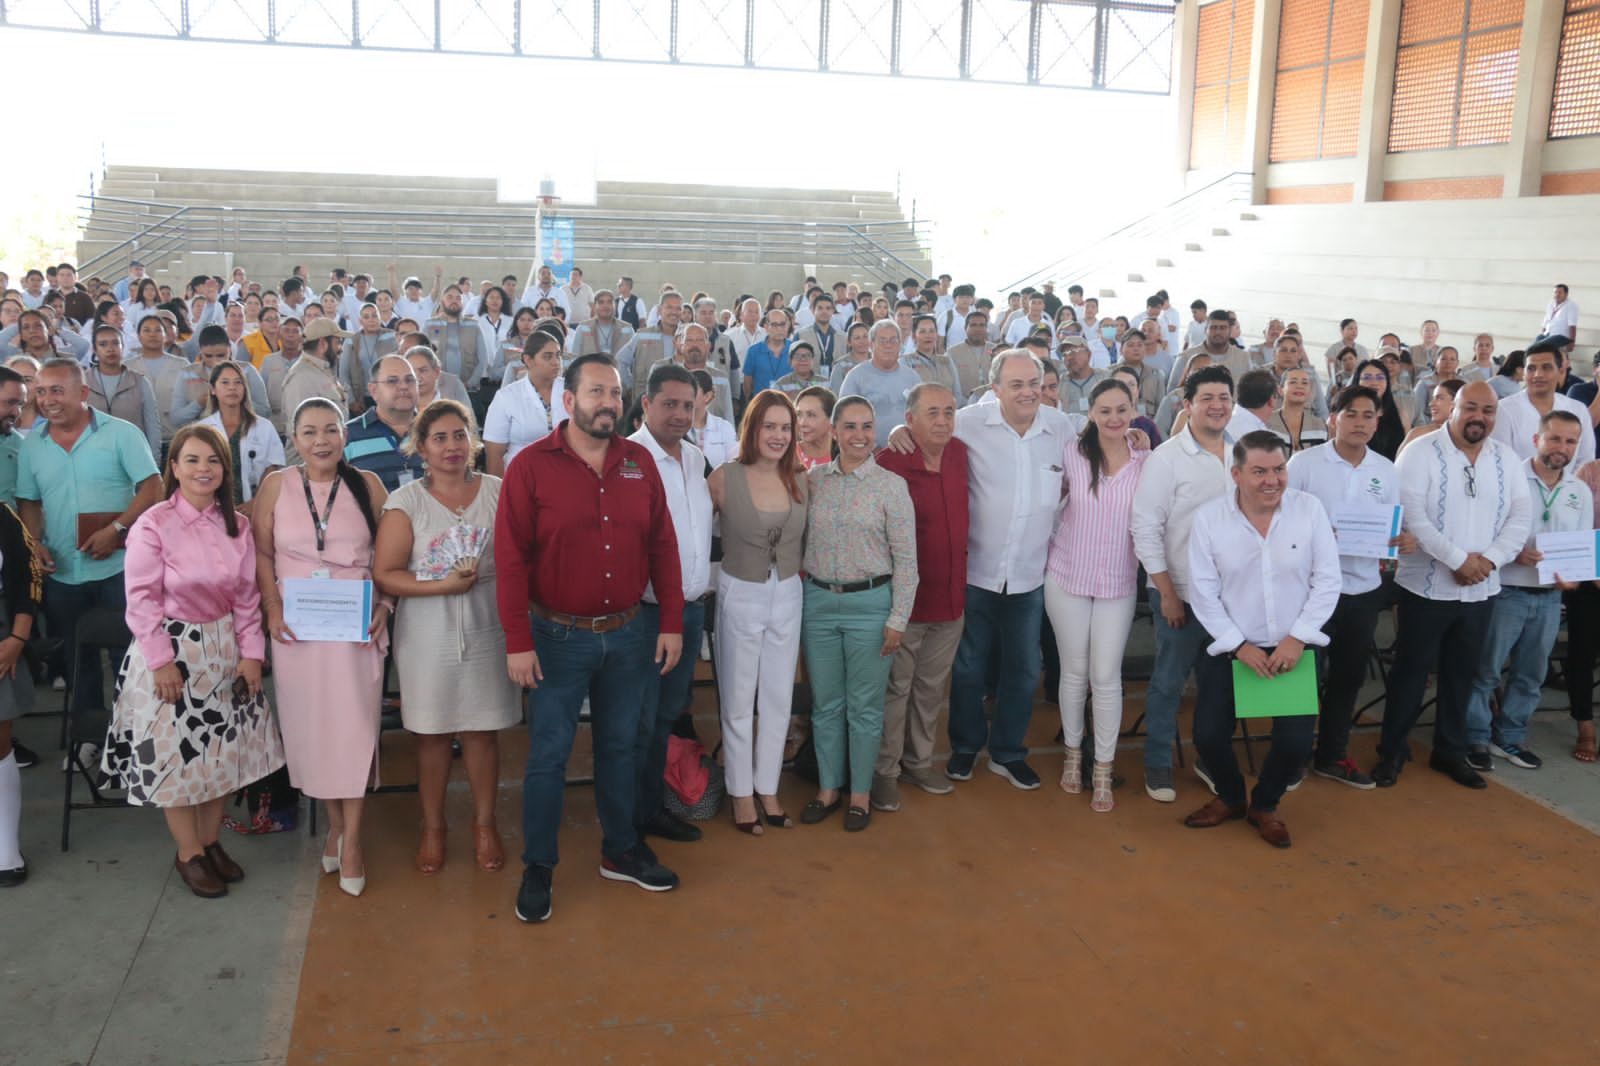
x=486, y=847
x=1102, y=801
x=431, y=851
x=1586, y=749
x=1072, y=772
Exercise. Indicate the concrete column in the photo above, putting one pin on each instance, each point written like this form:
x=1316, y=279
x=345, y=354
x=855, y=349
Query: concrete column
x=1184, y=44
x=1259, y=93
x=1536, y=82
x=1377, y=98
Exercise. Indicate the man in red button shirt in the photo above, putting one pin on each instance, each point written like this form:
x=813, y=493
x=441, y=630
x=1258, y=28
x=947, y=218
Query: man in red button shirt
x=582, y=527
x=936, y=475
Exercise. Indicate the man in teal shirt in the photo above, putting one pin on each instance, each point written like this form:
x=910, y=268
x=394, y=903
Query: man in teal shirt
x=81, y=462
x=13, y=394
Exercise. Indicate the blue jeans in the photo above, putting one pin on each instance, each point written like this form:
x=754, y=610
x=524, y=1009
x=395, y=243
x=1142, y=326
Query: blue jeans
x=1523, y=626
x=1009, y=621
x=63, y=603
x=1178, y=652
x=664, y=699
x=611, y=669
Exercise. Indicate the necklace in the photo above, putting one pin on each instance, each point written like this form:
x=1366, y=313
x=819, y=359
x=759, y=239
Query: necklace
x=459, y=512
x=1548, y=501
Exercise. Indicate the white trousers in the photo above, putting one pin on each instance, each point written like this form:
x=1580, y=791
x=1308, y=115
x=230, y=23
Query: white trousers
x=758, y=648
x=1091, y=635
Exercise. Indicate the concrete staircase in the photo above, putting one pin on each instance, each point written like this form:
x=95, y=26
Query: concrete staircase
x=721, y=239
x=1474, y=265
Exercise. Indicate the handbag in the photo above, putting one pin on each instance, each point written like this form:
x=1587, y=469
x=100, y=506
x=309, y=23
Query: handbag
x=695, y=784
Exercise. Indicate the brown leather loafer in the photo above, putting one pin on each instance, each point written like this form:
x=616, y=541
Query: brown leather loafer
x=200, y=877
x=1214, y=813
x=223, y=864
x=1270, y=826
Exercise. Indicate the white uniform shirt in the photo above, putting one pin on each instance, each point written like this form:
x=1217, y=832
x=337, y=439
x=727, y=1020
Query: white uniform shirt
x=555, y=293
x=1516, y=421
x=689, y=502
x=1243, y=422
x=419, y=310
x=1014, y=491
x=1570, y=509
x=1020, y=327
x=1177, y=479
x=1261, y=590
x=1324, y=473
x=259, y=448
x=517, y=416
x=1454, y=508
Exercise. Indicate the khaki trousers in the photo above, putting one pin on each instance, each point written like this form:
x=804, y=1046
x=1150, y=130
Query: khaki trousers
x=917, y=684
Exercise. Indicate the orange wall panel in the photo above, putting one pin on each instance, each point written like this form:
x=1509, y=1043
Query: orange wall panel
x=1311, y=194
x=1445, y=189
x=1571, y=183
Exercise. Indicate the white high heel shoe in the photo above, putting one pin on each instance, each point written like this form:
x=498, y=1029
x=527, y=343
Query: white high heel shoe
x=330, y=863
x=350, y=886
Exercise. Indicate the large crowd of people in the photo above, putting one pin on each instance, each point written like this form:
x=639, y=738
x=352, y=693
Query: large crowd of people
x=926, y=501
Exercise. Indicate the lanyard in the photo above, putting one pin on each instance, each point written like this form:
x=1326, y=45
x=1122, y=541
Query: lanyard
x=320, y=522
x=1547, y=501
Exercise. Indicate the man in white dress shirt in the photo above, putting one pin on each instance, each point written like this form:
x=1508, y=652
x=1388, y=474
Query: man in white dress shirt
x=1517, y=423
x=668, y=416
x=1014, y=449
x=1341, y=472
x=1465, y=496
x=546, y=288
x=1186, y=471
x=580, y=297
x=1024, y=324
x=1255, y=398
x=1265, y=573
x=1561, y=317
x=1527, y=613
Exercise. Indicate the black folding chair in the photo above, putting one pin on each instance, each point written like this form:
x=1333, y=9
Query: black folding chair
x=99, y=630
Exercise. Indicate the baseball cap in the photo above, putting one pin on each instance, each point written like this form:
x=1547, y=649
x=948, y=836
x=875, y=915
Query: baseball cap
x=324, y=327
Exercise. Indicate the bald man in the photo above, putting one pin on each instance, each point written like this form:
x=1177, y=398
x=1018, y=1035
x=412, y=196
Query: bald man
x=372, y=439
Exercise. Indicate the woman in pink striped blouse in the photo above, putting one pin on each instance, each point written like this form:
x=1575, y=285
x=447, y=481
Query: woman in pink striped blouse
x=1091, y=584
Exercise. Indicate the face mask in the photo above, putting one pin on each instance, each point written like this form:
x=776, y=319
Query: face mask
x=1109, y=332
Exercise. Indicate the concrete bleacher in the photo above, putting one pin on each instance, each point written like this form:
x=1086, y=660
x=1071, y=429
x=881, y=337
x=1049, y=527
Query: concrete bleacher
x=656, y=232
x=1474, y=265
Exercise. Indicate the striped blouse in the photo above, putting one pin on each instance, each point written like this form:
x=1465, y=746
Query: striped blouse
x=861, y=525
x=1091, y=551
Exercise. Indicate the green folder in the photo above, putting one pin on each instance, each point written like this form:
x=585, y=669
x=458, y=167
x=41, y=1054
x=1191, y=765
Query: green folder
x=1287, y=694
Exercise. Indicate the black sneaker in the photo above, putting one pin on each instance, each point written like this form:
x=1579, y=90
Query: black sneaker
x=669, y=826
x=1019, y=773
x=13, y=878
x=1203, y=774
x=1479, y=760
x=1517, y=755
x=959, y=768
x=533, y=898
x=1346, y=772
x=1295, y=782
x=25, y=755
x=1386, y=774
x=638, y=866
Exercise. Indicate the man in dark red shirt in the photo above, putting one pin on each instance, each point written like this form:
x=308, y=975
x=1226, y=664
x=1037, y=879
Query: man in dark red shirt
x=936, y=475
x=582, y=527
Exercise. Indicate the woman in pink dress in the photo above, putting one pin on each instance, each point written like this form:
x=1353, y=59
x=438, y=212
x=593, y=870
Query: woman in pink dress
x=320, y=522
x=191, y=725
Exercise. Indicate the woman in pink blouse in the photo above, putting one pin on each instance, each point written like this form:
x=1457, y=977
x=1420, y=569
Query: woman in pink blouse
x=1091, y=584
x=191, y=725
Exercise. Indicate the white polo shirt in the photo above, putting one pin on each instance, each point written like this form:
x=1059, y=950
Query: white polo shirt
x=1325, y=474
x=1177, y=479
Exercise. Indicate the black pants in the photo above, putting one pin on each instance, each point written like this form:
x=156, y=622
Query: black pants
x=1446, y=636
x=1344, y=665
x=1583, y=640
x=1214, y=723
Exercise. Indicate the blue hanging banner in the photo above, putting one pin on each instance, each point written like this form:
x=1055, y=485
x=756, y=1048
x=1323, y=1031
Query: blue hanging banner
x=556, y=243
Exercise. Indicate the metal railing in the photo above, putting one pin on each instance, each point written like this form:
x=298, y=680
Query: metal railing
x=1106, y=250
x=152, y=230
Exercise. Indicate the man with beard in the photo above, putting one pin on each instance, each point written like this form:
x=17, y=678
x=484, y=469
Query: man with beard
x=1466, y=500
x=1527, y=614
x=584, y=527
x=456, y=338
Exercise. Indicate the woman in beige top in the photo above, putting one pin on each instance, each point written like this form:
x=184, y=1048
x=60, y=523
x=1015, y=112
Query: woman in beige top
x=761, y=496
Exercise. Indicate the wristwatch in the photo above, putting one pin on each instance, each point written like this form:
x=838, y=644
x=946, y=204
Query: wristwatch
x=122, y=530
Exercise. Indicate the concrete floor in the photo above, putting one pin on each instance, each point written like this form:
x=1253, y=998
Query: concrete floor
x=1426, y=922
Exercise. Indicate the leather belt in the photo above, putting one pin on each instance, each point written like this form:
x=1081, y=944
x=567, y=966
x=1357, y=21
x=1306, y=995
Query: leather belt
x=602, y=623
x=852, y=586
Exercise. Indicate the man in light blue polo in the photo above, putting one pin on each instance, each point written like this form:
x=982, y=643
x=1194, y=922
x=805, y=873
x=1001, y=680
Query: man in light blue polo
x=82, y=480
x=883, y=379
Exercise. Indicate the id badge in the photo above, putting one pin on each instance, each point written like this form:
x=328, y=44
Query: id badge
x=322, y=575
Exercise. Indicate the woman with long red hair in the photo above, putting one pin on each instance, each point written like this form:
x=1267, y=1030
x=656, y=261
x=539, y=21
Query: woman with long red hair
x=761, y=496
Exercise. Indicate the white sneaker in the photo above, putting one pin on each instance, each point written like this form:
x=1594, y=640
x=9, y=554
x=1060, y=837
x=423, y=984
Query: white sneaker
x=88, y=756
x=58, y=685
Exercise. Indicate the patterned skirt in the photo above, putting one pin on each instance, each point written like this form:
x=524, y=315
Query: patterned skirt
x=215, y=740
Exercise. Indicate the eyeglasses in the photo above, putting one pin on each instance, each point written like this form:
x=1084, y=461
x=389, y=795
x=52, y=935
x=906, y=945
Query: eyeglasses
x=1472, y=482
x=394, y=382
